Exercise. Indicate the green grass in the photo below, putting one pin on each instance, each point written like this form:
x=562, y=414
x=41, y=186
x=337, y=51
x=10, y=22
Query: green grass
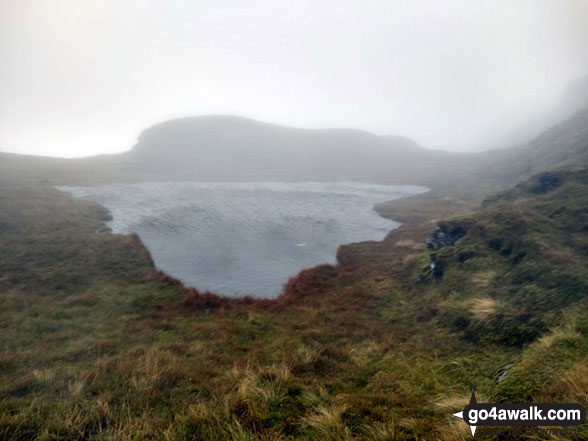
x=96, y=344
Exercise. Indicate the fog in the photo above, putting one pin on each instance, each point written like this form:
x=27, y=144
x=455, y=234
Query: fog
x=81, y=77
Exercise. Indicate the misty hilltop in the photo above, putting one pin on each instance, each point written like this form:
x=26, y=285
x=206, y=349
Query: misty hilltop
x=233, y=148
x=573, y=100
x=230, y=148
x=562, y=145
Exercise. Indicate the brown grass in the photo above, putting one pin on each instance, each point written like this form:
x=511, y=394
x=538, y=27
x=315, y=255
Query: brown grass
x=483, y=307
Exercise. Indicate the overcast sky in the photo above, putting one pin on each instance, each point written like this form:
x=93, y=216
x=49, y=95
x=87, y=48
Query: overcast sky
x=81, y=77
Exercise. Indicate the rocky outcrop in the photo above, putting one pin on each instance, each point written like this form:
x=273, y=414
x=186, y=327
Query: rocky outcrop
x=433, y=272
x=547, y=182
x=501, y=373
x=444, y=236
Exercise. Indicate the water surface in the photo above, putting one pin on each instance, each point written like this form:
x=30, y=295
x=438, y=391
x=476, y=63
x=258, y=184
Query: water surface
x=244, y=238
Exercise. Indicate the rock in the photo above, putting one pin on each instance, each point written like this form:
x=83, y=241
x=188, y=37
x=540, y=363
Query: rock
x=445, y=236
x=433, y=272
x=435, y=268
x=501, y=373
x=547, y=182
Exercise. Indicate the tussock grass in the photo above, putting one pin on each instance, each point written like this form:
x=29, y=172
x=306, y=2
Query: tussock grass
x=575, y=380
x=328, y=422
x=483, y=307
x=562, y=334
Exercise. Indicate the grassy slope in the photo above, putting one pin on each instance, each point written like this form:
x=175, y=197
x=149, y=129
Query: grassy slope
x=565, y=144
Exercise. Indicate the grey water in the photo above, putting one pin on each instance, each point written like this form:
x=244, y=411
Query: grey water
x=245, y=238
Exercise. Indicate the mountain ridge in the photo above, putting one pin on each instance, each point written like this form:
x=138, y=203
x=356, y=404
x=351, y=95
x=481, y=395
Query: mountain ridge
x=232, y=148
x=229, y=148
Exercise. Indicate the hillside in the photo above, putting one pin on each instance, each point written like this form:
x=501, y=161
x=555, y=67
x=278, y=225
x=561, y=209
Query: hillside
x=562, y=145
x=229, y=148
x=224, y=148
x=574, y=99
x=60, y=171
